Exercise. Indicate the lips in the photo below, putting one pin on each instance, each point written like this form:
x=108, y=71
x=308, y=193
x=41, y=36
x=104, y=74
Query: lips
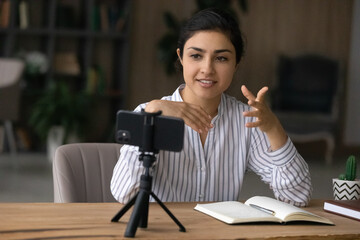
x=206, y=82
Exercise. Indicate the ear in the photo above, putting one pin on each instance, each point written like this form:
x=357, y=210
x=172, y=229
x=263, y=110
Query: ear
x=178, y=53
x=237, y=67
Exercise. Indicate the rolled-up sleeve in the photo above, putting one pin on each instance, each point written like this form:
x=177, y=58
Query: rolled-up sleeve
x=284, y=170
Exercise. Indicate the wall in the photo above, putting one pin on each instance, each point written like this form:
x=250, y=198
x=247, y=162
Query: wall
x=271, y=28
x=147, y=77
x=292, y=28
x=352, y=127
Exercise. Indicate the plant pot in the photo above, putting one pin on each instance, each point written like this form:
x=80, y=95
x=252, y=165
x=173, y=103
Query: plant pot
x=54, y=140
x=346, y=190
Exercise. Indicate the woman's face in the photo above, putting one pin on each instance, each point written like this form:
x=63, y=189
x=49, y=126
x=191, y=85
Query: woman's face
x=209, y=63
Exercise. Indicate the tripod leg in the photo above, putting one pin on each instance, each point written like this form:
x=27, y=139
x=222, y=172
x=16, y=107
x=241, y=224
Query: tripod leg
x=141, y=201
x=145, y=212
x=124, y=209
x=182, y=228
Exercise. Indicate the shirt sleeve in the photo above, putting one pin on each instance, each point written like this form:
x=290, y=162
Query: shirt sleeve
x=284, y=170
x=125, y=180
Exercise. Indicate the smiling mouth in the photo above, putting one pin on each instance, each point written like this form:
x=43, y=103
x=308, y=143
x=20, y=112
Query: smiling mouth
x=206, y=83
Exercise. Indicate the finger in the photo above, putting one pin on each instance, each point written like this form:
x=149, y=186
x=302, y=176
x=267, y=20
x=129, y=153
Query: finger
x=253, y=124
x=255, y=105
x=251, y=114
x=198, y=122
x=261, y=94
x=247, y=93
x=199, y=114
x=200, y=128
x=195, y=123
x=194, y=126
x=191, y=111
x=207, y=118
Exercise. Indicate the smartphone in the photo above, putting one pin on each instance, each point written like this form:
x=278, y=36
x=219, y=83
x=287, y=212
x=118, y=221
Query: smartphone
x=167, y=132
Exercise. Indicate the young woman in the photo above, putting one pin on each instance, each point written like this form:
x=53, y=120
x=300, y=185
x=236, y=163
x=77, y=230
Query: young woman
x=223, y=137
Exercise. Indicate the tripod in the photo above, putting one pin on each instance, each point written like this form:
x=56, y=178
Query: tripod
x=139, y=216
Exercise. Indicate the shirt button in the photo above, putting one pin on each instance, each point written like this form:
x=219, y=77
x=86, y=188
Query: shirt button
x=203, y=169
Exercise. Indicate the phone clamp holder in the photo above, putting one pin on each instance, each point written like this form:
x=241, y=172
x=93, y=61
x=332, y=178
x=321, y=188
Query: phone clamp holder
x=139, y=216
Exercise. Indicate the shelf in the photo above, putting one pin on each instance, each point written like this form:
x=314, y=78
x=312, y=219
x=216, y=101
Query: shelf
x=31, y=31
x=72, y=41
x=91, y=34
x=63, y=33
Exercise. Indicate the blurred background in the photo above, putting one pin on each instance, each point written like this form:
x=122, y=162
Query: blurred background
x=67, y=66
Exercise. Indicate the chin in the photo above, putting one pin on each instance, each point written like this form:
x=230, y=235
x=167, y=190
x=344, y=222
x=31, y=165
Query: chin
x=209, y=95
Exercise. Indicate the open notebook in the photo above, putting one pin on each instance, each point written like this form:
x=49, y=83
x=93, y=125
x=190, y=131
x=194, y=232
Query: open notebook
x=258, y=209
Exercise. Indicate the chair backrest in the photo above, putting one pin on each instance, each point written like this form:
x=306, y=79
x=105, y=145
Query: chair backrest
x=306, y=83
x=82, y=172
x=10, y=74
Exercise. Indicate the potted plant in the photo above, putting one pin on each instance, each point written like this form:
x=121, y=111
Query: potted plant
x=347, y=186
x=59, y=115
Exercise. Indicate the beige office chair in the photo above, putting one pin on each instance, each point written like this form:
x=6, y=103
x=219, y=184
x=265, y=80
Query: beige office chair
x=10, y=75
x=82, y=172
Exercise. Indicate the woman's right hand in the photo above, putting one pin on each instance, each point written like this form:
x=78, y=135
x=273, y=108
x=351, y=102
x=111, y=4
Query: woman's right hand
x=193, y=115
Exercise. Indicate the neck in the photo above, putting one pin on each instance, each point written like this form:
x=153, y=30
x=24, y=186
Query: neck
x=211, y=108
x=209, y=105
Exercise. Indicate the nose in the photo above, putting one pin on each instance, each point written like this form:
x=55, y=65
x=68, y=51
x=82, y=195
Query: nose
x=207, y=66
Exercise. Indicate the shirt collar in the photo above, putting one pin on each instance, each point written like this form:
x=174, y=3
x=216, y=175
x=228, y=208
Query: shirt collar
x=176, y=95
x=222, y=105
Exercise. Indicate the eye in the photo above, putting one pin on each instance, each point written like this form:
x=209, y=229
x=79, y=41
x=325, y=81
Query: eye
x=221, y=58
x=195, y=56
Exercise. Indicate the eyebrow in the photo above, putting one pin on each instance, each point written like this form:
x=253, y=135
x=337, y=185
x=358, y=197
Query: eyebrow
x=216, y=51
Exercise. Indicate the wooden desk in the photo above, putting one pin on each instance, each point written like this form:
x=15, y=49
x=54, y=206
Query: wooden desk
x=92, y=221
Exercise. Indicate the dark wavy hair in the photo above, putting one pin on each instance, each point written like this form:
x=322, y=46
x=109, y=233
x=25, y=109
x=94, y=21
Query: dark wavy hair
x=213, y=19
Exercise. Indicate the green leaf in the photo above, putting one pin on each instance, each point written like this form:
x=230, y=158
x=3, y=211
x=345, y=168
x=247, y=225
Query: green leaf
x=59, y=105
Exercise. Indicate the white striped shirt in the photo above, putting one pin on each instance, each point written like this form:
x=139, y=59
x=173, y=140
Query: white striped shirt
x=215, y=172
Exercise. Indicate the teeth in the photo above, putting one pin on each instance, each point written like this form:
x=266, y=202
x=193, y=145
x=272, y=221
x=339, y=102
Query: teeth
x=206, y=82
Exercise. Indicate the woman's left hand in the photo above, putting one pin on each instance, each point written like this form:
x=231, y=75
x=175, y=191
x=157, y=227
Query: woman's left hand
x=266, y=120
